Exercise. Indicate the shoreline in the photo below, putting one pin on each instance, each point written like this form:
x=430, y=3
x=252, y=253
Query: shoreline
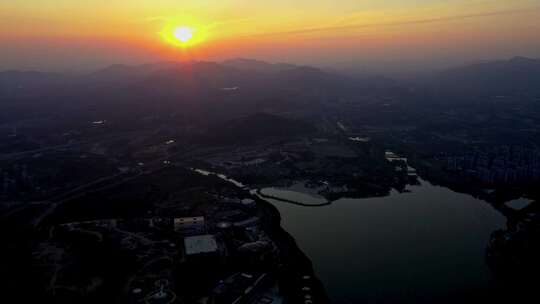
x=296, y=275
x=267, y=196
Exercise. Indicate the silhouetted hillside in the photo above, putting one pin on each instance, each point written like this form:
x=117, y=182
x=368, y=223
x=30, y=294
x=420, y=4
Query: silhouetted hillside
x=28, y=83
x=515, y=76
x=215, y=91
x=257, y=65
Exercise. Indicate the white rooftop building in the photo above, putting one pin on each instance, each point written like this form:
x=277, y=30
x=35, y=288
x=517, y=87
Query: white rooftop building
x=200, y=244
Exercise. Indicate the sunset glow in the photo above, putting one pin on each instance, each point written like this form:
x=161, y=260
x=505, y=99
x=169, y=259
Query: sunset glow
x=306, y=31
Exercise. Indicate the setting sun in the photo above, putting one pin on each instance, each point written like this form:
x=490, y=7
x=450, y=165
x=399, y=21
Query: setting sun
x=183, y=33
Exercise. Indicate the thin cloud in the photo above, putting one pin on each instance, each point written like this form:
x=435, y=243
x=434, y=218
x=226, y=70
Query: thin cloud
x=401, y=23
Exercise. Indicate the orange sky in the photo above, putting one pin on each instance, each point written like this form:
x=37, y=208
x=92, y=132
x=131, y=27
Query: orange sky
x=74, y=35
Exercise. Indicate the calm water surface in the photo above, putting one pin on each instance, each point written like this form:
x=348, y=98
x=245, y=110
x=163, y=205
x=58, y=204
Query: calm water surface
x=418, y=247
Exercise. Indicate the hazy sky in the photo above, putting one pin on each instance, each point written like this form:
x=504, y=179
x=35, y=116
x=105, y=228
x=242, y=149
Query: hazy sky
x=74, y=35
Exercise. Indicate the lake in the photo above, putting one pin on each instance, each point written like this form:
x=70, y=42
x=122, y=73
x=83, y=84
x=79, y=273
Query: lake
x=419, y=247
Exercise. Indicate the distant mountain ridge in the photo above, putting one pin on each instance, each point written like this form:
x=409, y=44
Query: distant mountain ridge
x=198, y=89
x=518, y=75
x=204, y=74
x=258, y=65
x=258, y=86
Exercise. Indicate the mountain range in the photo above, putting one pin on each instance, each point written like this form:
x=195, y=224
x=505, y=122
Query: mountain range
x=518, y=75
x=239, y=87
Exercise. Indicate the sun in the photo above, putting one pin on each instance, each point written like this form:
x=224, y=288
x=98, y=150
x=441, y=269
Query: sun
x=183, y=33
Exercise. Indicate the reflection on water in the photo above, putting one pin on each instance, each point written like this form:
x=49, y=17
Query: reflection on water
x=415, y=247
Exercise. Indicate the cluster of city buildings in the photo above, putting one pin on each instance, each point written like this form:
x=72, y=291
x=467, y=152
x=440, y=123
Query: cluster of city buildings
x=501, y=165
x=225, y=258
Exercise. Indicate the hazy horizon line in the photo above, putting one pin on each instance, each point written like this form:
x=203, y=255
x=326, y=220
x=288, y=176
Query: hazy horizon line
x=97, y=69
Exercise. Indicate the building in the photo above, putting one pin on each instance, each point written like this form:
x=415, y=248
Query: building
x=190, y=225
x=200, y=244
